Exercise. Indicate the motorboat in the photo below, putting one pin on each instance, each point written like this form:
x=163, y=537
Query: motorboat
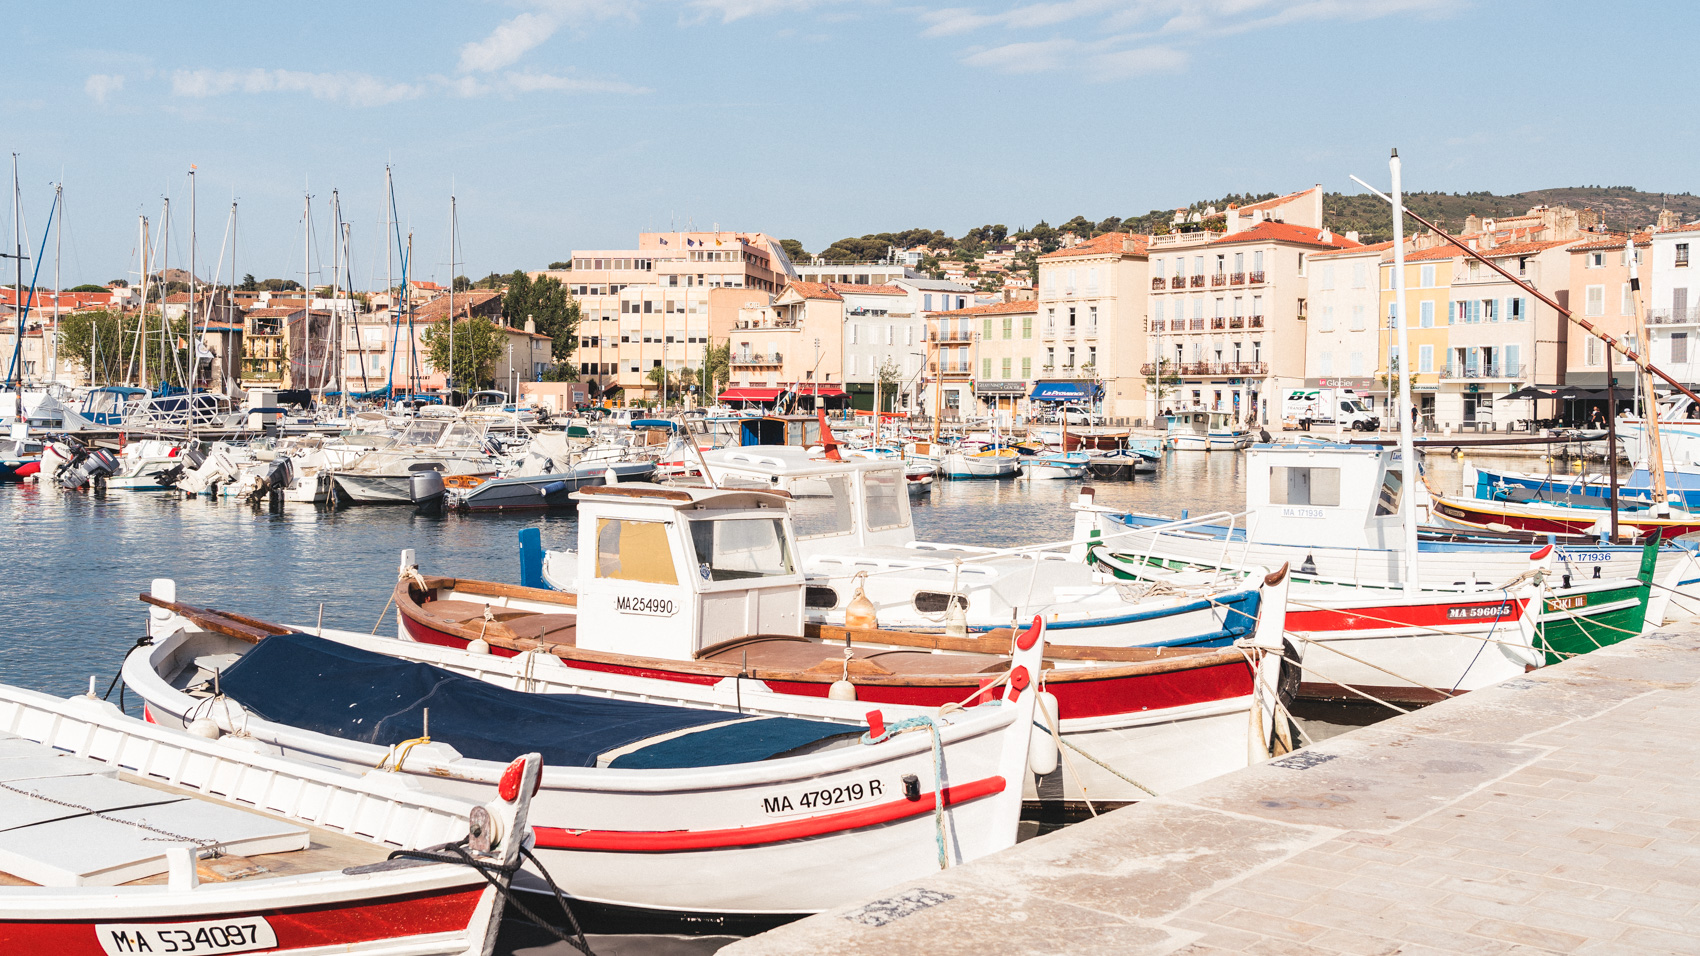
x=125, y=836
x=1204, y=430
x=1056, y=465
x=990, y=463
x=1118, y=465
x=389, y=474
x=651, y=803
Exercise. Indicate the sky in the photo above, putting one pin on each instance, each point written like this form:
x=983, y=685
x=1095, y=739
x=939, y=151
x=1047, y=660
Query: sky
x=563, y=124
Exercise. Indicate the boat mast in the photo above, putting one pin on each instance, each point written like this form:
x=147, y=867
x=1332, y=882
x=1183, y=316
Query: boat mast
x=448, y=374
x=142, y=253
x=194, y=353
x=389, y=278
x=165, y=291
x=1655, y=448
x=58, y=245
x=336, y=301
x=1407, y=449
x=16, y=372
x=1611, y=442
x=224, y=372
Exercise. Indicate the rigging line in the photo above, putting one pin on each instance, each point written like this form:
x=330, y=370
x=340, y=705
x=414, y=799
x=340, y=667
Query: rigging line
x=22, y=304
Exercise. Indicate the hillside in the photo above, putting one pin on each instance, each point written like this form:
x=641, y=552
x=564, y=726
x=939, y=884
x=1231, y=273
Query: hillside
x=1621, y=207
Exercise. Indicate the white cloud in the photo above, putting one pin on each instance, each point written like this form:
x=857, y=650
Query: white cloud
x=101, y=85
x=1112, y=39
x=356, y=89
x=730, y=10
x=515, y=37
x=541, y=82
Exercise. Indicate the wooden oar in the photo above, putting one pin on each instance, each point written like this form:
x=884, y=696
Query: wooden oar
x=239, y=626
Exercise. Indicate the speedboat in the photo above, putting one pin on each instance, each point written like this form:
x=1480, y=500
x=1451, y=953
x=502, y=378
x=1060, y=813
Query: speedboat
x=1054, y=465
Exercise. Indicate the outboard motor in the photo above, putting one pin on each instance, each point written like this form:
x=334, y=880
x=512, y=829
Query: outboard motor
x=427, y=489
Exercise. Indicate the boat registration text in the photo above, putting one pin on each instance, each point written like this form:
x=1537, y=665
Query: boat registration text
x=1478, y=613
x=824, y=797
x=652, y=606
x=238, y=935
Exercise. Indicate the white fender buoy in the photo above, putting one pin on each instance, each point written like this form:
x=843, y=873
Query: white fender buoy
x=860, y=613
x=841, y=688
x=1042, y=745
x=204, y=727
x=478, y=645
x=956, y=617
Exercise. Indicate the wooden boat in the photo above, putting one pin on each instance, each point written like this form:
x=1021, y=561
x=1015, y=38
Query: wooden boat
x=1114, y=466
x=697, y=813
x=127, y=837
x=1557, y=519
x=1201, y=430
x=991, y=463
x=1092, y=439
x=1057, y=465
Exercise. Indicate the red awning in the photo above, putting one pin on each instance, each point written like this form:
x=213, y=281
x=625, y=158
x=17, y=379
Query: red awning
x=749, y=395
x=824, y=392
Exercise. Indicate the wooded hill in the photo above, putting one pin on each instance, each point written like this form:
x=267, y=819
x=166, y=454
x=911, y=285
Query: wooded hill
x=1620, y=207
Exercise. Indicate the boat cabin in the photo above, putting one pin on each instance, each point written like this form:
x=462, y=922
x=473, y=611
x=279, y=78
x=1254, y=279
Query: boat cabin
x=867, y=500
x=666, y=571
x=109, y=404
x=1346, y=495
x=798, y=431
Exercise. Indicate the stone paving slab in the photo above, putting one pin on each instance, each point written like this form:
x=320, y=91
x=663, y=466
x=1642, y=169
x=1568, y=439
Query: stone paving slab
x=1554, y=813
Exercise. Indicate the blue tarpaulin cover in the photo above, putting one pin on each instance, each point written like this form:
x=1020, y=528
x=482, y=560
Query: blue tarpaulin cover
x=1061, y=392
x=319, y=685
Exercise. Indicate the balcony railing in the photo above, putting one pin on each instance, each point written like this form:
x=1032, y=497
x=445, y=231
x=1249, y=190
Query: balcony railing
x=1237, y=322
x=748, y=358
x=1218, y=323
x=1673, y=316
x=951, y=368
x=1256, y=277
x=1158, y=283
x=1198, y=282
x=958, y=336
x=1256, y=321
x=1220, y=278
x=1178, y=282
x=1237, y=278
x=1209, y=368
x=1454, y=370
x=1196, y=325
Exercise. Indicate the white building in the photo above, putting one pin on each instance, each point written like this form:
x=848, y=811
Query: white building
x=1673, y=319
x=1341, y=332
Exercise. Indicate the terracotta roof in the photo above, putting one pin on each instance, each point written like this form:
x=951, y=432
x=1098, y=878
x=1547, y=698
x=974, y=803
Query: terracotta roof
x=1686, y=227
x=271, y=313
x=465, y=303
x=814, y=290
x=1446, y=250
x=1277, y=201
x=994, y=308
x=865, y=289
x=1613, y=241
x=1109, y=242
x=1523, y=248
x=1268, y=231
x=1357, y=250
x=428, y=286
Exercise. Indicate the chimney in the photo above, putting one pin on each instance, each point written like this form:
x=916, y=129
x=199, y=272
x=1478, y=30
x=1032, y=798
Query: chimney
x=1233, y=218
x=1351, y=235
x=1316, y=199
x=530, y=325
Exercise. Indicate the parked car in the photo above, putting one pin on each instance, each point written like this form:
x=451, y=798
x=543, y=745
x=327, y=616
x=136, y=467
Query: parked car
x=1077, y=415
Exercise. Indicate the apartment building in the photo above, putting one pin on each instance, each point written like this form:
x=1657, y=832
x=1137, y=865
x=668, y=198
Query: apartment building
x=1495, y=337
x=659, y=304
x=795, y=342
x=1092, y=304
x=876, y=272
x=1600, y=292
x=1007, y=355
x=880, y=331
x=1228, y=310
x=1674, y=297
x=1341, y=331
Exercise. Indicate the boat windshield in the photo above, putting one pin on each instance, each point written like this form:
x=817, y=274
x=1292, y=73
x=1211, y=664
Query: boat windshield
x=422, y=432
x=886, y=499
x=819, y=517
x=732, y=549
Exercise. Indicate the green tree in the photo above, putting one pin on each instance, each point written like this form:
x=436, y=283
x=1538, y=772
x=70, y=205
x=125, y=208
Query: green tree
x=104, y=343
x=119, y=283
x=794, y=250
x=1163, y=380
x=87, y=287
x=462, y=284
x=560, y=266
x=249, y=283
x=478, y=343
x=546, y=302
x=890, y=378
x=716, y=369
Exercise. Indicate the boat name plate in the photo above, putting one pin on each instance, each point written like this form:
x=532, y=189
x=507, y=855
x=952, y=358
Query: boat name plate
x=1479, y=612
x=824, y=797
x=241, y=934
x=1302, y=513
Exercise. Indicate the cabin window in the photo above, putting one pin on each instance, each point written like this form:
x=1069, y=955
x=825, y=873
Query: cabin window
x=819, y=596
x=1304, y=486
x=1388, y=502
x=935, y=602
x=634, y=551
x=733, y=549
x=886, y=497
x=818, y=517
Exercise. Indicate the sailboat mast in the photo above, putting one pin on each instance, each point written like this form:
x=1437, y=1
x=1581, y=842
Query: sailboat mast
x=307, y=288
x=165, y=292
x=194, y=353
x=16, y=372
x=58, y=245
x=142, y=307
x=448, y=376
x=230, y=308
x=389, y=276
x=336, y=300
x=1407, y=449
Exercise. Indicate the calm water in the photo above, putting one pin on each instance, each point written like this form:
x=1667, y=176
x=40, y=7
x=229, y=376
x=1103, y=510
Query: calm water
x=77, y=561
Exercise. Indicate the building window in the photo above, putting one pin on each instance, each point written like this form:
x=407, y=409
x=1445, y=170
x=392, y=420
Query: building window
x=986, y=329
x=1091, y=320
x=1008, y=328
x=1426, y=274
x=927, y=301
x=1519, y=309
x=1425, y=358
x=1026, y=368
x=1357, y=318
x=1326, y=320
x=1426, y=314
x=986, y=368
x=1328, y=276
x=1626, y=302
x=1325, y=364
x=1596, y=301
x=1490, y=310
x=1070, y=357
x=1596, y=260
x=1678, y=347
x=1071, y=318
x=1157, y=271
x=1157, y=317
x=1092, y=356
x=1360, y=275
x=1050, y=321
x=1006, y=365
x=1682, y=255
x=1027, y=326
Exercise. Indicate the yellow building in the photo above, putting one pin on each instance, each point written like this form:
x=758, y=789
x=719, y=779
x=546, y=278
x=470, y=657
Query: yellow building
x=1428, y=289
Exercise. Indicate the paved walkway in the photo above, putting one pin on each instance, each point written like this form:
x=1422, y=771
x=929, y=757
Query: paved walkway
x=1555, y=813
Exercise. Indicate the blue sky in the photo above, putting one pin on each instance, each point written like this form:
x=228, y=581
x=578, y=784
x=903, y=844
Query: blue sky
x=577, y=123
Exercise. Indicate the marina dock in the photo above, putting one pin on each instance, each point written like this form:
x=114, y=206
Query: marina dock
x=1552, y=813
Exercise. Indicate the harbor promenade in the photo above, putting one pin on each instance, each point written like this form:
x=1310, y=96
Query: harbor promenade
x=1554, y=813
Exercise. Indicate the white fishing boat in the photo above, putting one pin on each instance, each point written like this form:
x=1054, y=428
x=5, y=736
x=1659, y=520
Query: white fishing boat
x=644, y=804
x=990, y=463
x=1202, y=430
x=123, y=836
